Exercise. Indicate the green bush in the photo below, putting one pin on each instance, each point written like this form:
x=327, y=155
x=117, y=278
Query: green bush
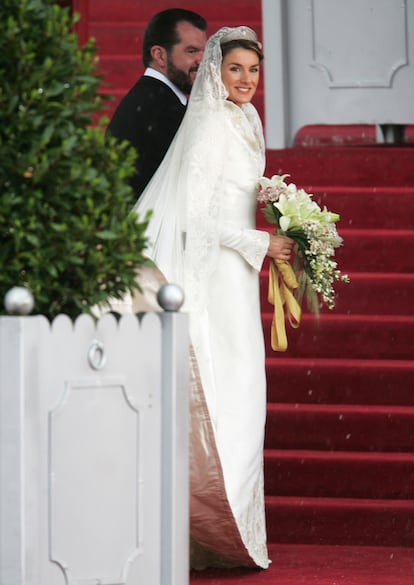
x=65, y=228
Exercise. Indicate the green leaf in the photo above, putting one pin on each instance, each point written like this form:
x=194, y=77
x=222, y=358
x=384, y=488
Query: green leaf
x=32, y=239
x=106, y=235
x=58, y=227
x=269, y=215
x=46, y=135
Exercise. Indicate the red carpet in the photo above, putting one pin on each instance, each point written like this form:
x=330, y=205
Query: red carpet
x=339, y=458
x=322, y=565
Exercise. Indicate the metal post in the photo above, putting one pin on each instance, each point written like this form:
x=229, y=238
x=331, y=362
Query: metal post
x=175, y=434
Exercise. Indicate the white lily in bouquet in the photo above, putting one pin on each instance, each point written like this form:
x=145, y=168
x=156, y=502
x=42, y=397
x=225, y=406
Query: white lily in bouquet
x=313, y=229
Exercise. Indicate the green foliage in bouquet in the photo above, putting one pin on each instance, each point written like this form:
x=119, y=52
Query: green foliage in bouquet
x=66, y=231
x=298, y=216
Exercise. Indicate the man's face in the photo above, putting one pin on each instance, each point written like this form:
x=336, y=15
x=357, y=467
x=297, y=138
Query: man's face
x=185, y=57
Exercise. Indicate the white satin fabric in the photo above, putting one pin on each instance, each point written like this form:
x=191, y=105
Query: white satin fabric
x=203, y=237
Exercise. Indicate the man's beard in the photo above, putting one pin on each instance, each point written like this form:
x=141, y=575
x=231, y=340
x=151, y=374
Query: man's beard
x=179, y=78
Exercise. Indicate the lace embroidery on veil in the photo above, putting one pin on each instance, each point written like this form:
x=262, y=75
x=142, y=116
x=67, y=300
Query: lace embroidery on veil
x=184, y=192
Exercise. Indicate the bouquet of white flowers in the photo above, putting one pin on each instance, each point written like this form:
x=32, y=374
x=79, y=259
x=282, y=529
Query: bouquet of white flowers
x=297, y=216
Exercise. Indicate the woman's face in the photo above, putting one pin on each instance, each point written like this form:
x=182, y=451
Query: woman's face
x=240, y=74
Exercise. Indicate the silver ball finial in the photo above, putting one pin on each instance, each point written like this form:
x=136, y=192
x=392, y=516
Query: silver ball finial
x=19, y=301
x=170, y=297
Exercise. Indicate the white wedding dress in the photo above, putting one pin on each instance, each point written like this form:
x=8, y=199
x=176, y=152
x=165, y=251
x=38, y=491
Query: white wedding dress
x=203, y=237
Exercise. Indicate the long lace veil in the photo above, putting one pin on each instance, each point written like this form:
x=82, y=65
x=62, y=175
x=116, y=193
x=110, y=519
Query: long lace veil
x=184, y=192
x=184, y=195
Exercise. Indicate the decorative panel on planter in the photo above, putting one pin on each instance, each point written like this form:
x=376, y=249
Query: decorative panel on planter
x=90, y=451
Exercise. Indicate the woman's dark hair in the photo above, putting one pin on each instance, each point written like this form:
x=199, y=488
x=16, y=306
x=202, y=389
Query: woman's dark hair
x=162, y=30
x=242, y=44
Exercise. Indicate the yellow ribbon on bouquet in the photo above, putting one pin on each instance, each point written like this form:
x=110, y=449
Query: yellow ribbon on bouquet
x=282, y=282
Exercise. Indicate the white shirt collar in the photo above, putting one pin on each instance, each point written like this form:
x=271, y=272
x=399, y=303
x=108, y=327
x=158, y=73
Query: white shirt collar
x=150, y=72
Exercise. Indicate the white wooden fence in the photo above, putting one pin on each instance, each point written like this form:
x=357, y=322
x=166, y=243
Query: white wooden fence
x=94, y=450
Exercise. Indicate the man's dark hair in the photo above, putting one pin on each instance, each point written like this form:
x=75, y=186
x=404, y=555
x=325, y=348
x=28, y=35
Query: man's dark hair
x=161, y=30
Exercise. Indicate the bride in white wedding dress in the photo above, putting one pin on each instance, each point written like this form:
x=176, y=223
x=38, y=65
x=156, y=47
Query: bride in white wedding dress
x=202, y=236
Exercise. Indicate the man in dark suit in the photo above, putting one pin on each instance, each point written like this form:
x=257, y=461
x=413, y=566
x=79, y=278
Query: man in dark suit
x=150, y=114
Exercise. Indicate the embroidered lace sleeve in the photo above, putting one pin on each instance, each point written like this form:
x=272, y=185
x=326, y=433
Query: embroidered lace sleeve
x=251, y=244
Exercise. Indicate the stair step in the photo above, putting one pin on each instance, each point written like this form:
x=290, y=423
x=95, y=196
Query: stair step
x=349, y=336
x=340, y=521
x=120, y=71
x=312, y=564
x=108, y=10
x=368, y=293
x=363, y=207
x=121, y=38
x=341, y=165
x=339, y=474
x=247, y=11
x=369, y=207
x=343, y=134
x=336, y=135
x=340, y=427
x=371, y=250
x=340, y=381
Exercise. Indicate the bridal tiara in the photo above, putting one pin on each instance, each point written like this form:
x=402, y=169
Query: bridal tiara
x=239, y=33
